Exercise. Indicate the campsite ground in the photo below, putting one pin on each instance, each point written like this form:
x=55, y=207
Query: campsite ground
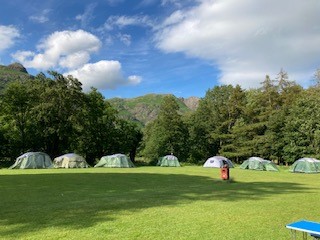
x=154, y=203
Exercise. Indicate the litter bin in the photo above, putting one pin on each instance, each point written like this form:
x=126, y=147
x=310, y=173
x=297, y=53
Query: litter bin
x=224, y=172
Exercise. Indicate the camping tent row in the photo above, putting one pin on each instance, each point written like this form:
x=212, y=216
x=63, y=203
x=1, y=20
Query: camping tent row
x=302, y=165
x=257, y=163
x=33, y=160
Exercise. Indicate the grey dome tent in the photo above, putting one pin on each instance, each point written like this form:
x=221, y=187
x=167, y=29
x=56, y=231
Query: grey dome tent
x=257, y=163
x=32, y=160
x=168, y=161
x=70, y=160
x=217, y=162
x=306, y=165
x=115, y=161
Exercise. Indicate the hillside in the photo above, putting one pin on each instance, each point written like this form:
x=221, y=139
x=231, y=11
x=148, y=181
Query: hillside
x=146, y=108
x=11, y=73
x=141, y=109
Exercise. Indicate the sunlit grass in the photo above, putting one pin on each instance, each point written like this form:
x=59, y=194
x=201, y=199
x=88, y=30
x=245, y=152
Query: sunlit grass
x=154, y=203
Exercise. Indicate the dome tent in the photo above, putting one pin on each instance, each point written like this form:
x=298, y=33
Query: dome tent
x=115, y=161
x=257, y=163
x=32, y=160
x=70, y=160
x=218, y=162
x=306, y=165
x=168, y=161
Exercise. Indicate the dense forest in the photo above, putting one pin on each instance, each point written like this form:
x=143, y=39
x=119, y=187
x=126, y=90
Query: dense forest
x=279, y=121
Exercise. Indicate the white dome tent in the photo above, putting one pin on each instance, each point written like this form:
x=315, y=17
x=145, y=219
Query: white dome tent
x=217, y=162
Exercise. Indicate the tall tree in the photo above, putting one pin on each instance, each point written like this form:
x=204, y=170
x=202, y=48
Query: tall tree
x=302, y=124
x=167, y=134
x=17, y=103
x=97, y=132
x=128, y=138
x=59, y=112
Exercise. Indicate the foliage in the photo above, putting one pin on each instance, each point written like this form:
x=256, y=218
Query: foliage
x=51, y=113
x=167, y=133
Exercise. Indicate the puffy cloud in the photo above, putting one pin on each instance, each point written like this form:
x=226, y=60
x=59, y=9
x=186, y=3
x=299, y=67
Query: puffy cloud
x=247, y=39
x=65, y=49
x=103, y=75
x=74, y=60
x=71, y=50
x=8, y=34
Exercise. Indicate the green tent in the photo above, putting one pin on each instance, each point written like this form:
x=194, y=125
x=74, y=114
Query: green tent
x=33, y=160
x=257, y=163
x=115, y=161
x=70, y=160
x=305, y=165
x=168, y=161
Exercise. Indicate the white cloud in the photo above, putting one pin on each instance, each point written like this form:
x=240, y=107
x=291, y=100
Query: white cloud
x=103, y=75
x=174, y=2
x=247, y=39
x=123, y=21
x=87, y=16
x=65, y=49
x=114, y=2
x=41, y=17
x=8, y=35
x=125, y=38
x=74, y=60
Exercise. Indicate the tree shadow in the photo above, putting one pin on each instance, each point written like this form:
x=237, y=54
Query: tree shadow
x=78, y=200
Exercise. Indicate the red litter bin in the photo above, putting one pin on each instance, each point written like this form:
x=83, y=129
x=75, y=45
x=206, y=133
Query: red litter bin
x=224, y=172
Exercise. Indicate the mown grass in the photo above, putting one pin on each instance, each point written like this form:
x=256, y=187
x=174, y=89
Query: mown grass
x=154, y=203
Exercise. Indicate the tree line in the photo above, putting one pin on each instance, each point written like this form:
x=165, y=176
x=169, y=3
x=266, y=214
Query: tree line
x=52, y=114
x=278, y=121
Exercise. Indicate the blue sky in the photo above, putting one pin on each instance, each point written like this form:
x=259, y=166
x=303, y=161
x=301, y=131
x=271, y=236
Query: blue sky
x=128, y=48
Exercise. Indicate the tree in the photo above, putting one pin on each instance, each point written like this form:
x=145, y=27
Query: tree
x=97, y=133
x=59, y=112
x=167, y=134
x=316, y=78
x=128, y=138
x=17, y=103
x=301, y=130
x=211, y=123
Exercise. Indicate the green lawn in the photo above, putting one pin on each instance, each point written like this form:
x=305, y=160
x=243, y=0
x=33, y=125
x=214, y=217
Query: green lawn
x=154, y=203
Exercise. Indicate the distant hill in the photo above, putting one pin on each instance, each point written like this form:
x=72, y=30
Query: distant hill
x=146, y=108
x=11, y=73
x=140, y=109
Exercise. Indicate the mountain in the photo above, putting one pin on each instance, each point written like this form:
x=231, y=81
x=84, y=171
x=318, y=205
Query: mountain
x=11, y=73
x=145, y=108
x=140, y=109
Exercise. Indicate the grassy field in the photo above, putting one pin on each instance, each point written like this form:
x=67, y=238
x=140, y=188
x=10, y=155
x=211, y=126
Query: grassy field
x=154, y=203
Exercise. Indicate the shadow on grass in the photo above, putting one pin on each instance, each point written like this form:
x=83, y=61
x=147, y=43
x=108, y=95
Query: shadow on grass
x=32, y=202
